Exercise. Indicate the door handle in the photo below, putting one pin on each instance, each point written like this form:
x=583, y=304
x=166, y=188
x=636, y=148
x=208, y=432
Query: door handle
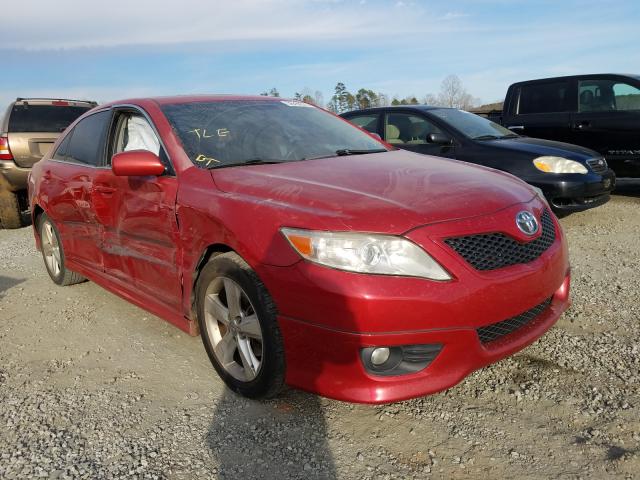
x=516, y=127
x=104, y=190
x=583, y=125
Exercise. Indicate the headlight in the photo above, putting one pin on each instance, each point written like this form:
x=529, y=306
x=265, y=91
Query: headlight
x=365, y=253
x=559, y=165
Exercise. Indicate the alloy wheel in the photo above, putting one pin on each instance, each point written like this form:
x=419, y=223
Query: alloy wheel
x=233, y=328
x=51, y=248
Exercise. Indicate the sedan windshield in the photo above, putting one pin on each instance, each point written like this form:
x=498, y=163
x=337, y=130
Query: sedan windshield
x=472, y=125
x=238, y=132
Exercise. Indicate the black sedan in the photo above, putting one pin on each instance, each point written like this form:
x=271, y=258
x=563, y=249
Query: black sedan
x=572, y=178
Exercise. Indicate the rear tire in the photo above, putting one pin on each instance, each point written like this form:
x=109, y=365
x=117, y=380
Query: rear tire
x=53, y=254
x=10, y=212
x=239, y=328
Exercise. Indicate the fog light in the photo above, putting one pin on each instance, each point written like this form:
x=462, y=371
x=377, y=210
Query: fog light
x=398, y=359
x=380, y=356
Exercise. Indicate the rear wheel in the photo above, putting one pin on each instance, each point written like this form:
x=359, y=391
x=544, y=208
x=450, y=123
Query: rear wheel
x=53, y=254
x=10, y=211
x=239, y=329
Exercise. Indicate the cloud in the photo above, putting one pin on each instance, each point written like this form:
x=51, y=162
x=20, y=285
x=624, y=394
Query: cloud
x=77, y=24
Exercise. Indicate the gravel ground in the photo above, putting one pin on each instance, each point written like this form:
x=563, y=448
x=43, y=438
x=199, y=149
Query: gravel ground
x=93, y=387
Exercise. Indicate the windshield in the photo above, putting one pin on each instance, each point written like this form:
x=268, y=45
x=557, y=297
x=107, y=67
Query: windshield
x=43, y=118
x=235, y=132
x=472, y=125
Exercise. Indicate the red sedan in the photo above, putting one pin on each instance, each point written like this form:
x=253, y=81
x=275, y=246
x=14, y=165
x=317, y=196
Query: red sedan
x=302, y=249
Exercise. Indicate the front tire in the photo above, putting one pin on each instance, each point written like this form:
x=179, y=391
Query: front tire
x=53, y=254
x=239, y=328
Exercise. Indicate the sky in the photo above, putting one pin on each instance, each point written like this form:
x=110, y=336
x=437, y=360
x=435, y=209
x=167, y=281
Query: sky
x=115, y=49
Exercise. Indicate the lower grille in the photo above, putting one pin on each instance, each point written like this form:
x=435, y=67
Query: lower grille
x=490, y=251
x=497, y=330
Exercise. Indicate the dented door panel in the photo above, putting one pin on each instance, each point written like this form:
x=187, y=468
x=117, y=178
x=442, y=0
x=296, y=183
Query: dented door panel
x=140, y=232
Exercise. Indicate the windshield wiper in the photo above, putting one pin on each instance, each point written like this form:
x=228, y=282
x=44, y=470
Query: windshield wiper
x=348, y=151
x=486, y=137
x=251, y=161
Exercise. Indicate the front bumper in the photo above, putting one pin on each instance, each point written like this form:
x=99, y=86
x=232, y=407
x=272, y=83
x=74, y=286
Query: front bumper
x=573, y=192
x=326, y=361
x=14, y=177
x=327, y=316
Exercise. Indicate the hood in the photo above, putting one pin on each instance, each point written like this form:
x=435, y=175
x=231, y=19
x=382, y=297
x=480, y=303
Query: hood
x=389, y=192
x=538, y=147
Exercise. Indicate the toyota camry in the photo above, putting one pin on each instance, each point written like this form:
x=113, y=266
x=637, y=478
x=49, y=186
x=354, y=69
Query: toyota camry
x=302, y=249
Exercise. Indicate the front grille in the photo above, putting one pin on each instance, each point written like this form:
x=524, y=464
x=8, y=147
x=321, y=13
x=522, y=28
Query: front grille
x=491, y=251
x=598, y=165
x=496, y=330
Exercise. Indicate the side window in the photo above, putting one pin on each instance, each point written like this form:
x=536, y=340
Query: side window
x=366, y=122
x=61, y=151
x=133, y=132
x=627, y=96
x=405, y=128
x=607, y=96
x=544, y=98
x=87, y=141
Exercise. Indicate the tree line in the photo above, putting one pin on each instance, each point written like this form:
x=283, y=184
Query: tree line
x=452, y=94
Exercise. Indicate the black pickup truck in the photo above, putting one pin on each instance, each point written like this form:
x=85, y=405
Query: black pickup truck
x=600, y=112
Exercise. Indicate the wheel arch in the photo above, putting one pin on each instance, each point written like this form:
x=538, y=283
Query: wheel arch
x=207, y=254
x=36, y=213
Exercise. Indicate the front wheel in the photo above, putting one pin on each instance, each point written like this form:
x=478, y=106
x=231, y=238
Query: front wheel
x=53, y=254
x=239, y=329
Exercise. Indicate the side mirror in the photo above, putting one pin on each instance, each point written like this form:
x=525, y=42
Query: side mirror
x=136, y=163
x=439, y=139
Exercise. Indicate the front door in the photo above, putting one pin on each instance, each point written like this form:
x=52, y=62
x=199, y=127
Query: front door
x=608, y=121
x=140, y=231
x=410, y=131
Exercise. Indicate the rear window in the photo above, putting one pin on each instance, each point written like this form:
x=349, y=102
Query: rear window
x=43, y=118
x=544, y=98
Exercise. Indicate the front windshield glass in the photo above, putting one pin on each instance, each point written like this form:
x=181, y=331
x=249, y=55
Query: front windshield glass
x=472, y=125
x=235, y=132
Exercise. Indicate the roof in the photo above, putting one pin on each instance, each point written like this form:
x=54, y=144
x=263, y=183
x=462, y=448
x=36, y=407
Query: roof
x=38, y=100
x=177, y=99
x=588, y=76
x=422, y=108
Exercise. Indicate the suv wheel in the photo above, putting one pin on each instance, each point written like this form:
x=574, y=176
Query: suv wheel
x=10, y=211
x=239, y=329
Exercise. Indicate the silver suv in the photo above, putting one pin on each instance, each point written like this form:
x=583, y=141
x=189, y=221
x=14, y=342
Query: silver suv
x=29, y=129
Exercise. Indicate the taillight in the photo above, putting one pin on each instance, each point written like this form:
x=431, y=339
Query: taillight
x=5, y=151
x=60, y=103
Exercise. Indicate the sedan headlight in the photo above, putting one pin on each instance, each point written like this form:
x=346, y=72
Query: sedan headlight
x=551, y=164
x=365, y=253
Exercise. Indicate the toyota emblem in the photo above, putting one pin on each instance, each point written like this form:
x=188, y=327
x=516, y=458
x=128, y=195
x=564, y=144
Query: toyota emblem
x=527, y=223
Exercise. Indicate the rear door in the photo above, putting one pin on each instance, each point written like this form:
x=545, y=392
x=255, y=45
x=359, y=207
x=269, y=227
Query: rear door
x=34, y=127
x=608, y=121
x=543, y=110
x=139, y=227
x=67, y=184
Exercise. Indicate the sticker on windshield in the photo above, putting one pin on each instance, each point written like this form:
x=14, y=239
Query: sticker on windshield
x=206, y=161
x=295, y=103
x=202, y=133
